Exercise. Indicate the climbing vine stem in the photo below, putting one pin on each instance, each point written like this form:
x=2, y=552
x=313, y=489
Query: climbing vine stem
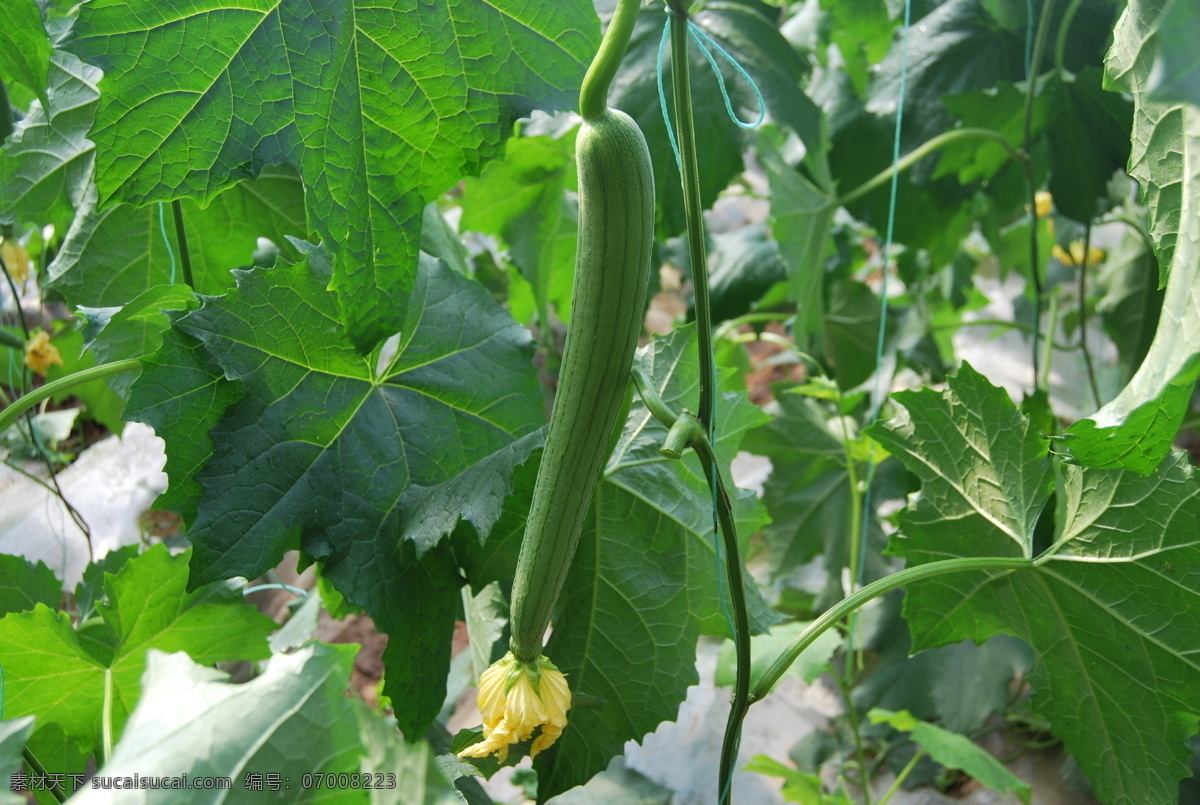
x=185, y=258
x=27, y=401
x=1035, y=61
x=677, y=11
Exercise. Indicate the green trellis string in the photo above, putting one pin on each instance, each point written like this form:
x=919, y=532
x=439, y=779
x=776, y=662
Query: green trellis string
x=880, y=387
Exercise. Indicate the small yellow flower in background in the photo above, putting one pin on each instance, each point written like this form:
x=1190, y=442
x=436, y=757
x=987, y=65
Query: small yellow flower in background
x=40, y=353
x=517, y=697
x=16, y=259
x=1074, y=256
x=1043, y=202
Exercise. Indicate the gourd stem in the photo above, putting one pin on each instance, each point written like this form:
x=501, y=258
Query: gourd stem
x=593, y=96
x=654, y=403
x=686, y=432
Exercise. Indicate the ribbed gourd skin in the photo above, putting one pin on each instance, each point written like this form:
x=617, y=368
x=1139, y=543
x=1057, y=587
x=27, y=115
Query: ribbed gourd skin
x=612, y=267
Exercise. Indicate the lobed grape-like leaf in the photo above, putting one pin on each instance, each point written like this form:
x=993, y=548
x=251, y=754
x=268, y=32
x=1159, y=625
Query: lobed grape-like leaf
x=1111, y=608
x=380, y=107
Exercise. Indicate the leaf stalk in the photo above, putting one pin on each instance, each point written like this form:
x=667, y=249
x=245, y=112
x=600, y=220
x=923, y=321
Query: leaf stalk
x=26, y=401
x=185, y=259
x=1035, y=63
x=925, y=149
x=873, y=590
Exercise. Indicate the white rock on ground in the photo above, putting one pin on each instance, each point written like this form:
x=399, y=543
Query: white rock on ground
x=111, y=485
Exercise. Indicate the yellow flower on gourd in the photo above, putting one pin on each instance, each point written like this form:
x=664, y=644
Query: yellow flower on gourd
x=16, y=259
x=1074, y=255
x=40, y=353
x=1043, y=203
x=515, y=698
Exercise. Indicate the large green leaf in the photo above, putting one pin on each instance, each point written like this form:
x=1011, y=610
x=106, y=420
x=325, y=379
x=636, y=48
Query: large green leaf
x=1176, y=72
x=955, y=48
x=133, y=330
x=808, y=494
x=334, y=452
x=755, y=42
x=1163, y=133
x=46, y=164
x=959, y=685
x=1132, y=300
x=956, y=751
x=801, y=221
x=341, y=437
x=24, y=585
x=1134, y=430
x=995, y=470
x=1086, y=134
x=522, y=200
x=1111, y=608
x=266, y=735
x=110, y=256
x=380, y=108
x=643, y=585
x=181, y=393
x=13, y=735
x=52, y=673
x=24, y=48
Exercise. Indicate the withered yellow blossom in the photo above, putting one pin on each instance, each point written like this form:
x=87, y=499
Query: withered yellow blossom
x=1074, y=256
x=16, y=259
x=517, y=697
x=40, y=353
x=1043, y=203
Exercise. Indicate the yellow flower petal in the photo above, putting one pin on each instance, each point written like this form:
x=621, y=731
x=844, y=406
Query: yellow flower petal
x=492, y=686
x=16, y=259
x=515, y=699
x=523, y=710
x=40, y=353
x=1074, y=255
x=1043, y=202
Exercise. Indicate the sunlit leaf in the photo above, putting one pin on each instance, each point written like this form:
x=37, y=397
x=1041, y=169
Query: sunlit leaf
x=1111, y=608
x=380, y=109
x=1136, y=429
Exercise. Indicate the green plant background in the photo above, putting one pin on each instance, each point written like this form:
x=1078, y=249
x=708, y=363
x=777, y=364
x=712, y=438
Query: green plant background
x=352, y=355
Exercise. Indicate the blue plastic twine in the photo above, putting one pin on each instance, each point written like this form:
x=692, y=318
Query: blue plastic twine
x=162, y=227
x=707, y=46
